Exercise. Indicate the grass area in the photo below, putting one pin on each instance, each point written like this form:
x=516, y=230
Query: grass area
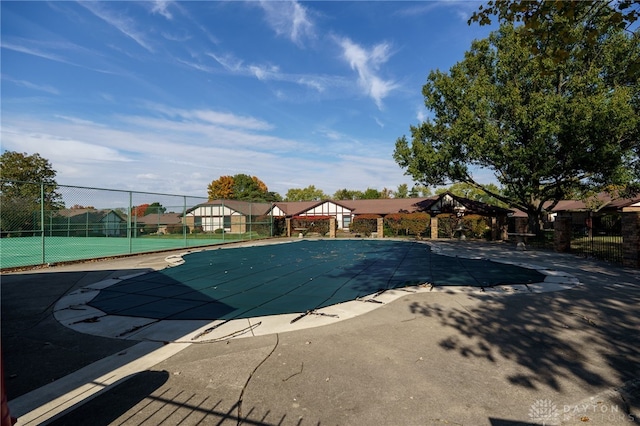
x=601, y=247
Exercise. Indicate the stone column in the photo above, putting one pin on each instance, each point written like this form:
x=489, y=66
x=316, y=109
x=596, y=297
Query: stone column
x=562, y=235
x=631, y=239
x=332, y=227
x=434, y=228
x=380, y=227
x=494, y=228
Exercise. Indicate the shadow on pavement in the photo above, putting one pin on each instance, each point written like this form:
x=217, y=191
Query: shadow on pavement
x=553, y=335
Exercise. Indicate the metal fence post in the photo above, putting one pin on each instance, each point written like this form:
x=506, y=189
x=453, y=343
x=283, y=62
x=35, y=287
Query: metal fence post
x=184, y=220
x=129, y=222
x=42, y=219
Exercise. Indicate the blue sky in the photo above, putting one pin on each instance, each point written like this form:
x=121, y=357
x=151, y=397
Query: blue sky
x=168, y=96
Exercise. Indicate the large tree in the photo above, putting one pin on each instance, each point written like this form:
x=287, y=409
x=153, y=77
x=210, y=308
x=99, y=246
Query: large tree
x=240, y=187
x=593, y=17
x=546, y=128
x=310, y=193
x=27, y=183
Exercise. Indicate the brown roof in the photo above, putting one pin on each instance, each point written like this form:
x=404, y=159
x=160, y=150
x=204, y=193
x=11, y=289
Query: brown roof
x=388, y=205
x=244, y=207
x=160, y=219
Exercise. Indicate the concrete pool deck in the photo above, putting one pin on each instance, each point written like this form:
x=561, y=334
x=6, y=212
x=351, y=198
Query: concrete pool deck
x=446, y=356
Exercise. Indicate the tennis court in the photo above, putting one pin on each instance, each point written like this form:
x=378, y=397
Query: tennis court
x=27, y=251
x=296, y=277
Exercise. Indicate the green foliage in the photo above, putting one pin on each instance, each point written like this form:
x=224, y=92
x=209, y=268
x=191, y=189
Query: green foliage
x=311, y=224
x=241, y=187
x=177, y=228
x=24, y=179
x=266, y=225
x=347, y=194
x=149, y=229
x=419, y=191
x=364, y=224
x=475, y=226
x=545, y=128
x=310, y=193
x=371, y=194
x=466, y=190
x=155, y=208
x=447, y=225
x=402, y=191
x=416, y=224
x=559, y=20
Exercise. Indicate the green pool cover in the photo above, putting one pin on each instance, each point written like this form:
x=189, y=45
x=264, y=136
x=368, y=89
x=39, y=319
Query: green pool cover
x=294, y=277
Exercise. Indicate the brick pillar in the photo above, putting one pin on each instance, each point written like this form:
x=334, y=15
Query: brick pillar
x=562, y=234
x=380, y=227
x=522, y=225
x=494, y=228
x=434, y=228
x=287, y=224
x=631, y=239
x=332, y=227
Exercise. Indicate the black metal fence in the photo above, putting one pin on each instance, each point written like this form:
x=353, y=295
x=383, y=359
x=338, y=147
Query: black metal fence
x=599, y=237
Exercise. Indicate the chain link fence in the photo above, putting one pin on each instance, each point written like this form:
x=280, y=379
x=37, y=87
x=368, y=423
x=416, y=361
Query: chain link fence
x=42, y=223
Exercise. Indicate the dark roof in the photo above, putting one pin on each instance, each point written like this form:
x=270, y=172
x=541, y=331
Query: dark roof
x=599, y=202
x=160, y=219
x=92, y=215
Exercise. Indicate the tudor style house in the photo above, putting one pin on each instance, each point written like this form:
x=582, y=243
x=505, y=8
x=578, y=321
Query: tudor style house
x=235, y=216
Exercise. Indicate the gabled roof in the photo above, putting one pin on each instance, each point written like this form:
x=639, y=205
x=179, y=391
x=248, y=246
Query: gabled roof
x=477, y=207
x=293, y=208
x=244, y=207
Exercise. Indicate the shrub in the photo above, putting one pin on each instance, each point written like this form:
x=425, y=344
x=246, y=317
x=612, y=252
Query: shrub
x=475, y=226
x=447, y=225
x=268, y=226
x=176, y=228
x=150, y=229
x=318, y=224
x=364, y=224
x=415, y=224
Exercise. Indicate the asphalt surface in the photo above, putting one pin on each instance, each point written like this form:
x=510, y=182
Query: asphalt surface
x=432, y=358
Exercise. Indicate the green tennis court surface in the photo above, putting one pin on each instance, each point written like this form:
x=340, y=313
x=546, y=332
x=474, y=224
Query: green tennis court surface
x=27, y=251
x=294, y=277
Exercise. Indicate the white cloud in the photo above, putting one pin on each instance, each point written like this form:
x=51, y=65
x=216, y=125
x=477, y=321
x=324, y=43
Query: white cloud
x=366, y=62
x=212, y=117
x=228, y=61
x=161, y=7
x=289, y=18
x=124, y=24
x=33, y=86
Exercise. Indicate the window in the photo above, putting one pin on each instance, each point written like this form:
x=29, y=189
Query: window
x=346, y=221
